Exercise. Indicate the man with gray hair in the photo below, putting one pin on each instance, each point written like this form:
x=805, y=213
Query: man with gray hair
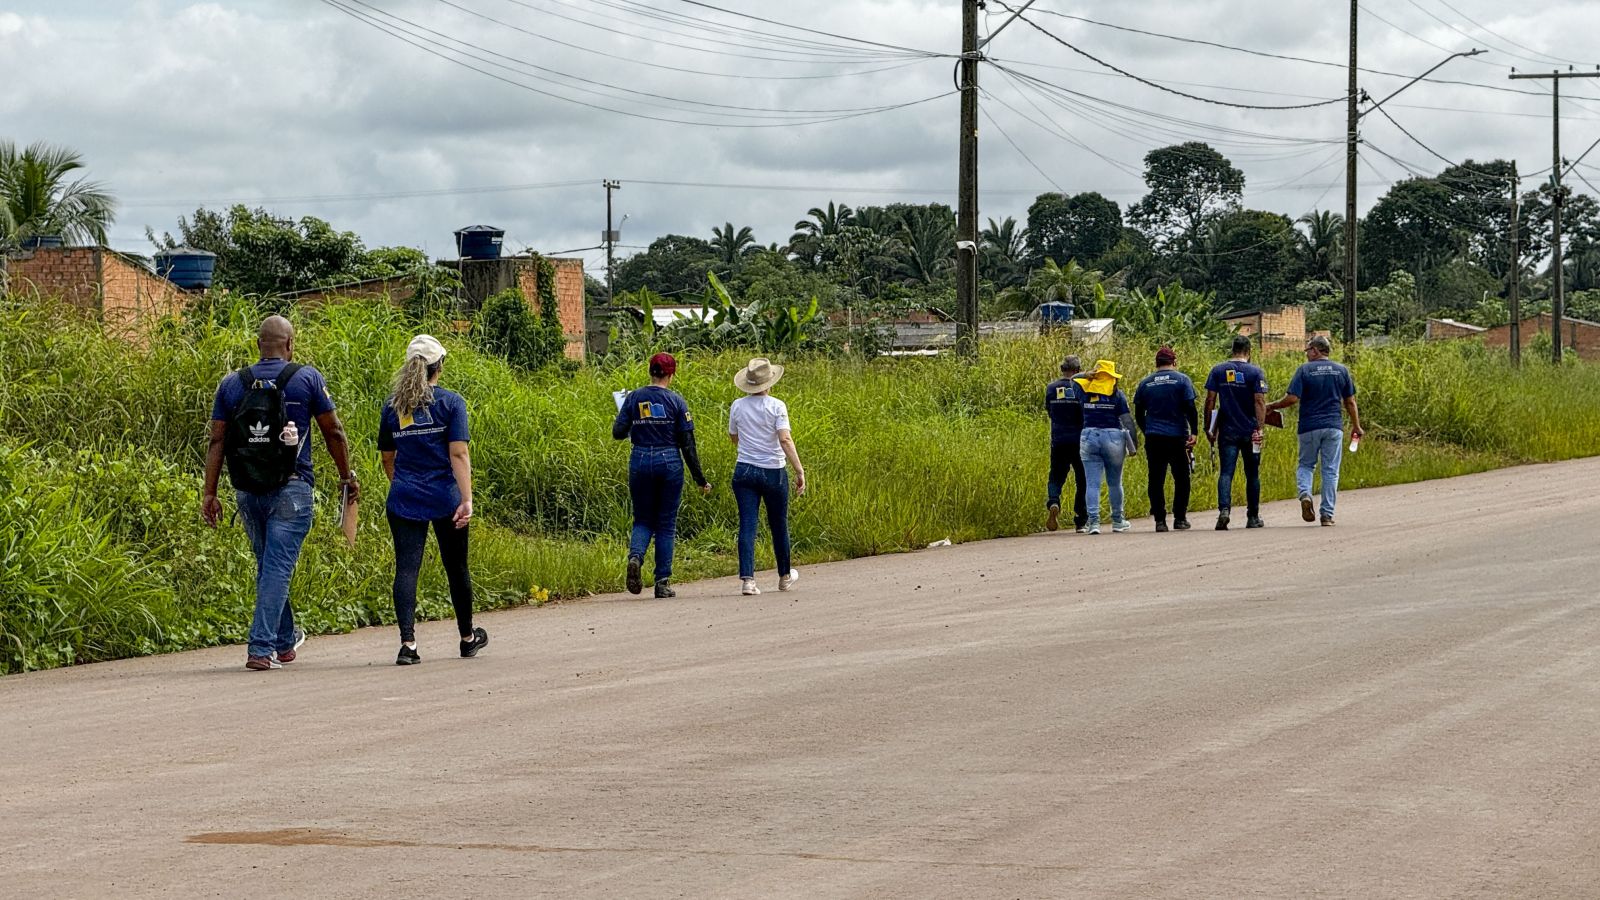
x=1323, y=388
x=1066, y=427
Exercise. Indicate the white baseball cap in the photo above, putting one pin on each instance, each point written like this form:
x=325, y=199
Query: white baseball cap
x=426, y=347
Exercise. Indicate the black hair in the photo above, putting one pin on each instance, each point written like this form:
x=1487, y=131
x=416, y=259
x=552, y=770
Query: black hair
x=1241, y=344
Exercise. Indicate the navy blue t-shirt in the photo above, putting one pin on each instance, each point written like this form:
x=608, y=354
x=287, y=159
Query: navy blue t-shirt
x=1100, y=410
x=424, y=486
x=1066, y=411
x=1322, y=387
x=1236, y=384
x=653, y=416
x=304, y=398
x=1167, y=400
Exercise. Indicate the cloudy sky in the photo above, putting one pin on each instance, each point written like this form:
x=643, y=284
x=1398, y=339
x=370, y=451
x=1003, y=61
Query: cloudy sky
x=309, y=107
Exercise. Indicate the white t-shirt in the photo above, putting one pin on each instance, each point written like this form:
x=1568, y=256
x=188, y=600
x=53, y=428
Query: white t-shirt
x=756, y=421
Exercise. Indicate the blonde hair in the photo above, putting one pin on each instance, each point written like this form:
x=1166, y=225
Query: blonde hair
x=413, y=385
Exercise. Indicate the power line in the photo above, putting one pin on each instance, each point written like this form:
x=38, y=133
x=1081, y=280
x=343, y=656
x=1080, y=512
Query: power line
x=1487, y=30
x=1017, y=147
x=1161, y=87
x=704, y=24
x=841, y=37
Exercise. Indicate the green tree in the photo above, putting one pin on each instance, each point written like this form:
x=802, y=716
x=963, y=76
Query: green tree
x=1190, y=185
x=674, y=265
x=506, y=327
x=1083, y=227
x=927, y=237
x=1004, y=256
x=1254, y=259
x=732, y=246
x=1051, y=283
x=1322, y=246
x=806, y=243
x=1168, y=314
x=1412, y=227
x=39, y=196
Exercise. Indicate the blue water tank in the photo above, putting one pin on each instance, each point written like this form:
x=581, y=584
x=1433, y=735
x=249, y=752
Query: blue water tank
x=43, y=242
x=187, y=267
x=480, y=242
x=1055, y=312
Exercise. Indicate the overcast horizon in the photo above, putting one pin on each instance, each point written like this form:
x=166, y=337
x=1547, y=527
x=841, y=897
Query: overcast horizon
x=307, y=110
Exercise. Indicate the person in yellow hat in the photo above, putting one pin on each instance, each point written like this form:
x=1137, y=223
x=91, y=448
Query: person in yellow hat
x=1108, y=435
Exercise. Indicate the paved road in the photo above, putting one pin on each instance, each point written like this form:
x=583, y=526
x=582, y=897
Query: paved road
x=1407, y=705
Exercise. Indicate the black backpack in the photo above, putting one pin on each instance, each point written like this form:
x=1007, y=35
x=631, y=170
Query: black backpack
x=259, y=462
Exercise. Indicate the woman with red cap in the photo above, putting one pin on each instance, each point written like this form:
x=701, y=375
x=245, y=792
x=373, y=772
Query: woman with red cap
x=657, y=420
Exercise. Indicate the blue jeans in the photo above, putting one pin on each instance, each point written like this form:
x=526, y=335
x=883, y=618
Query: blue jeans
x=1328, y=443
x=751, y=485
x=1103, y=455
x=655, y=482
x=1229, y=453
x=277, y=524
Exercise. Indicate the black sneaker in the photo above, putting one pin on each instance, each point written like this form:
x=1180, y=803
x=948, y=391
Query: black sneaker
x=480, y=640
x=1054, y=520
x=1161, y=525
x=1327, y=521
x=1254, y=522
x=1306, y=511
x=664, y=591
x=408, y=656
x=635, y=578
x=1222, y=519
x=1180, y=525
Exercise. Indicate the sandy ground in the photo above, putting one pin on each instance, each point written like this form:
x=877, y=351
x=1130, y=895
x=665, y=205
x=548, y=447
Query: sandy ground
x=1405, y=705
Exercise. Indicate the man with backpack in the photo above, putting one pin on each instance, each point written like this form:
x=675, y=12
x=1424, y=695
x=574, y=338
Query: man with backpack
x=261, y=426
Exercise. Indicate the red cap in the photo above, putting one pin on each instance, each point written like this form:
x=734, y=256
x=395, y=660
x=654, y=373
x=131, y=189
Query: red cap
x=662, y=365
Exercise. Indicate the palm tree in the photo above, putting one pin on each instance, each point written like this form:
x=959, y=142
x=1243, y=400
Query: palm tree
x=806, y=242
x=38, y=198
x=1004, y=252
x=1322, y=245
x=732, y=246
x=1052, y=283
x=928, y=241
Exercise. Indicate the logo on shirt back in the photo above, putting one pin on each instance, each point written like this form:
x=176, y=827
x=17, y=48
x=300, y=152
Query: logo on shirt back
x=1233, y=375
x=1061, y=393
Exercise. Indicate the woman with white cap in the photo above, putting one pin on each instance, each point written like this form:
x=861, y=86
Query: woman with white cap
x=758, y=423
x=423, y=439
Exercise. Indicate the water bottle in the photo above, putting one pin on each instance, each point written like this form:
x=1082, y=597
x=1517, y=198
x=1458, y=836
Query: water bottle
x=1355, y=444
x=1255, y=442
x=291, y=434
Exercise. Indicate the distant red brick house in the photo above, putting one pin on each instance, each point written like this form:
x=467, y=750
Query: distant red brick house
x=118, y=289
x=1579, y=335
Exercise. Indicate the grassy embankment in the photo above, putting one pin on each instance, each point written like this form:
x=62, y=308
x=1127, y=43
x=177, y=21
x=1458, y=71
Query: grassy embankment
x=100, y=449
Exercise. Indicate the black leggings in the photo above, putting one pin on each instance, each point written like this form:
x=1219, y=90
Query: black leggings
x=410, y=539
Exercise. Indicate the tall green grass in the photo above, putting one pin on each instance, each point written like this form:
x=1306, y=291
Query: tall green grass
x=101, y=445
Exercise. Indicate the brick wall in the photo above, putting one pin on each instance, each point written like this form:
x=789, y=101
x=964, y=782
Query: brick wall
x=394, y=290
x=1275, y=329
x=71, y=274
x=132, y=296
x=570, y=299
x=1580, y=335
x=1446, y=329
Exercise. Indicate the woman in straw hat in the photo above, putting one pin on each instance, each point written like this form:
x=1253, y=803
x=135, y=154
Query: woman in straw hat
x=657, y=420
x=1107, y=431
x=758, y=424
x=423, y=439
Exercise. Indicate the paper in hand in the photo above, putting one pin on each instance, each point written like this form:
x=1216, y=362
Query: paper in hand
x=620, y=397
x=349, y=516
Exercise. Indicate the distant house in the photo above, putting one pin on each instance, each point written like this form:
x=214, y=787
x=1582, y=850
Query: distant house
x=118, y=289
x=1274, y=328
x=1579, y=335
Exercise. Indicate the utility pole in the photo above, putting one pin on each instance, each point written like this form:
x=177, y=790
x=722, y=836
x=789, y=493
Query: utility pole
x=1516, y=269
x=610, y=240
x=1557, y=200
x=1353, y=120
x=967, y=189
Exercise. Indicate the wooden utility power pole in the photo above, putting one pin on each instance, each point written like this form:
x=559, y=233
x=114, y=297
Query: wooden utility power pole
x=1557, y=200
x=1516, y=268
x=611, y=236
x=1351, y=223
x=967, y=201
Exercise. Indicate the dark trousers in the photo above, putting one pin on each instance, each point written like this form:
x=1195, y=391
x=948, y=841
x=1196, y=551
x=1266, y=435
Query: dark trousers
x=1163, y=453
x=751, y=486
x=1064, y=456
x=410, y=539
x=1229, y=453
x=655, y=482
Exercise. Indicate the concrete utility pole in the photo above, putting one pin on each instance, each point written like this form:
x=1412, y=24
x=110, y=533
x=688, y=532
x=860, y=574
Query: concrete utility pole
x=967, y=189
x=1516, y=268
x=1557, y=200
x=610, y=239
x=1353, y=121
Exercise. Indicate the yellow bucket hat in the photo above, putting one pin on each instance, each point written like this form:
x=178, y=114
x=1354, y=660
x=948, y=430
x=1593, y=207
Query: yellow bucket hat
x=1103, y=379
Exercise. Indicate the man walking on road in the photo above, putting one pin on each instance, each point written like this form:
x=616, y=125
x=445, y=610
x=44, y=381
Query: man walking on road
x=1322, y=387
x=1236, y=394
x=1066, y=428
x=261, y=425
x=1164, y=409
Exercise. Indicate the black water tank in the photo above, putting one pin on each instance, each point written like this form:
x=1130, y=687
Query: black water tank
x=480, y=242
x=187, y=267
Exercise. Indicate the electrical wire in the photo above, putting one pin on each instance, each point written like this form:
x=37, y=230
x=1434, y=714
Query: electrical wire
x=1447, y=160
x=1161, y=87
x=408, y=39
x=1481, y=27
x=1018, y=147
x=702, y=24
x=841, y=37
x=636, y=61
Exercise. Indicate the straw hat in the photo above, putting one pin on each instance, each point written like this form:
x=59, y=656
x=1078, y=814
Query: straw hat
x=760, y=375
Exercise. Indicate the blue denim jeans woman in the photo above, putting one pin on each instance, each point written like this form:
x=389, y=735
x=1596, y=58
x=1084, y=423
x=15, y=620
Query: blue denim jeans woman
x=655, y=482
x=1104, y=452
x=752, y=486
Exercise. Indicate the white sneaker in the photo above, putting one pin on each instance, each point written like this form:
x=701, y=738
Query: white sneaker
x=1094, y=527
x=750, y=589
x=787, y=581
x=1122, y=527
